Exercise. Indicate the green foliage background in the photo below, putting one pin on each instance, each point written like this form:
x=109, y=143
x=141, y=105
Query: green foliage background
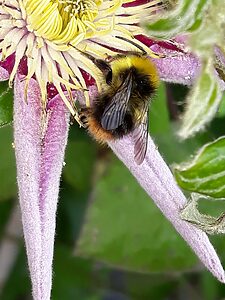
x=112, y=242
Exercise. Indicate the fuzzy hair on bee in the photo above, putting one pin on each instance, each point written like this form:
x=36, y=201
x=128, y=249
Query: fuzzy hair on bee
x=129, y=83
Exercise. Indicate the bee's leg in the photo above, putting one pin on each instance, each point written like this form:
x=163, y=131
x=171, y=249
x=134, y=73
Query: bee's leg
x=77, y=113
x=153, y=54
x=83, y=115
x=162, y=55
x=179, y=47
x=75, y=117
x=74, y=112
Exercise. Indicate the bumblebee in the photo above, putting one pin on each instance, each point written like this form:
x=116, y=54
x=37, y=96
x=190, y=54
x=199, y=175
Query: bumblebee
x=130, y=81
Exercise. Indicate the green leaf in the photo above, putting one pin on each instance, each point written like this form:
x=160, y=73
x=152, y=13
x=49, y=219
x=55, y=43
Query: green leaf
x=18, y=278
x=6, y=103
x=8, y=187
x=82, y=279
x=210, y=288
x=73, y=277
x=5, y=211
x=159, y=121
x=164, y=131
x=205, y=174
x=198, y=15
x=186, y=15
x=207, y=223
x=221, y=111
x=72, y=211
x=203, y=102
x=80, y=156
x=125, y=228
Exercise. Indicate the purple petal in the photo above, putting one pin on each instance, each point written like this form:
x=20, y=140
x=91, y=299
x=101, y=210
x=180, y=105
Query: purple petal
x=27, y=147
x=4, y=74
x=178, y=67
x=156, y=178
x=52, y=159
x=39, y=155
x=6, y=67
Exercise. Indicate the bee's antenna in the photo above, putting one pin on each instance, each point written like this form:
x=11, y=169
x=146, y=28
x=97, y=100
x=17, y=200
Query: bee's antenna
x=133, y=43
x=155, y=55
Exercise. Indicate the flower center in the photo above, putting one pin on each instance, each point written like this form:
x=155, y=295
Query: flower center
x=62, y=39
x=66, y=21
x=83, y=10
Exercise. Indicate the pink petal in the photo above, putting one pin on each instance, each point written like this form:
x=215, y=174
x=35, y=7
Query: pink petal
x=27, y=147
x=39, y=156
x=4, y=74
x=177, y=67
x=155, y=177
x=6, y=67
x=52, y=159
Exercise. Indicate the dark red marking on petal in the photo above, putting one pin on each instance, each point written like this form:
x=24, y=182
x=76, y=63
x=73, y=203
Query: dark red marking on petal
x=135, y=3
x=23, y=69
x=145, y=40
x=87, y=77
x=8, y=63
x=51, y=90
x=164, y=44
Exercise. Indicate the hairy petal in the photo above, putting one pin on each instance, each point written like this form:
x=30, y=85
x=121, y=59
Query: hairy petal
x=177, y=67
x=155, y=177
x=39, y=157
x=27, y=146
x=6, y=67
x=53, y=148
x=4, y=74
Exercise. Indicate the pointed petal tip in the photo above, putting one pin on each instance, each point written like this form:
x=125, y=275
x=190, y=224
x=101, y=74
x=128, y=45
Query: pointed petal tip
x=220, y=273
x=157, y=180
x=201, y=245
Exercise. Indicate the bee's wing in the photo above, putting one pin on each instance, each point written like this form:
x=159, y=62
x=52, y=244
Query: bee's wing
x=140, y=136
x=115, y=111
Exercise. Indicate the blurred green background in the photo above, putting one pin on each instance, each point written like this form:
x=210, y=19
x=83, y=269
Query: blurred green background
x=112, y=243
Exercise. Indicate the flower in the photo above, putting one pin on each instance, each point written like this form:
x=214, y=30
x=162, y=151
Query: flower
x=46, y=49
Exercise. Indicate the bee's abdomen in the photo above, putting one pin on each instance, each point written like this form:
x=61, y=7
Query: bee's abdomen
x=126, y=127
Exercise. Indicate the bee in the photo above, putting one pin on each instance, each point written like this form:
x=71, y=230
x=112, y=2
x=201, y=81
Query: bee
x=129, y=82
